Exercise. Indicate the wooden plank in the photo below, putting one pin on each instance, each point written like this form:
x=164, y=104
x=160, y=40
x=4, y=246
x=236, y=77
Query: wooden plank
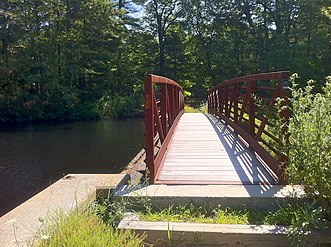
x=203, y=151
x=212, y=173
x=212, y=182
x=192, y=156
x=197, y=169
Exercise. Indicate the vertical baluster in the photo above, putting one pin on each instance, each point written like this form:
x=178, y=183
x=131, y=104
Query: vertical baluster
x=172, y=105
x=174, y=102
x=164, y=99
x=208, y=102
x=177, y=100
x=169, y=107
x=251, y=111
x=213, y=100
x=235, y=101
x=226, y=100
x=221, y=93
x=216, y=100
x=149, y=126
x=285, y=118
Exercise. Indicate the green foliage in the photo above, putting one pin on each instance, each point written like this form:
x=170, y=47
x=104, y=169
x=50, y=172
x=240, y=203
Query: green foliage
x=301, y=219
x=57, y=104
x=310, y=140
x=205, y=214
x=201, y=109
x=20, y=108
x=85, y=229
x=60, y=102
x=120, y=106
x=57, y=57
x=112, y=211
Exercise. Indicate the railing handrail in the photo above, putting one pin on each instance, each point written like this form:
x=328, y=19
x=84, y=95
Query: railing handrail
x=161, y=79
x=262, y=76
x=161, y=118
x=229, y=101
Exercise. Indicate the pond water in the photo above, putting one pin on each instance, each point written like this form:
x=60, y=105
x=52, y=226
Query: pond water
x=35, y=155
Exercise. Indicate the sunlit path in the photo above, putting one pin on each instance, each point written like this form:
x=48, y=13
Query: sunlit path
x=204, y=151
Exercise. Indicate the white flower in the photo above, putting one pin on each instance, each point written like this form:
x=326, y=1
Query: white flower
x=12, y=221
x=41, y=219
x=17, y=242
x=45, y=237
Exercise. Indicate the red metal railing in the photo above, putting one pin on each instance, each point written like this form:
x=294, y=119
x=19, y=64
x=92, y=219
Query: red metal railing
x=164, y=105
x=249, y=105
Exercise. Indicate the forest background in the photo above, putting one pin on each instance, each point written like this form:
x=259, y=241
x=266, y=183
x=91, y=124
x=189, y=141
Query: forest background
x=83, y=59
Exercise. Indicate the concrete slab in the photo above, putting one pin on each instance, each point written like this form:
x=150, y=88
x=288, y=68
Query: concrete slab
x=19, y=226
x=199, y=234
x=234, y=196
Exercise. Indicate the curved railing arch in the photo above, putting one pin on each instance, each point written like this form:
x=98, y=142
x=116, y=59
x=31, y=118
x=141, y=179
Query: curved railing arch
x=248, y=104
x=164, y=105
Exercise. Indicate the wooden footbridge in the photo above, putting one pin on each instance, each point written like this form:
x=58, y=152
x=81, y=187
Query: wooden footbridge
x=239, y=141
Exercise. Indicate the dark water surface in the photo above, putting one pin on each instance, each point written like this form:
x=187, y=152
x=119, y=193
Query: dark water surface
x=35, y=155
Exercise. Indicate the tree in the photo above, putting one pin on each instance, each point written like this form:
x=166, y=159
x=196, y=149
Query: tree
x=161, y=15
x=61, y=58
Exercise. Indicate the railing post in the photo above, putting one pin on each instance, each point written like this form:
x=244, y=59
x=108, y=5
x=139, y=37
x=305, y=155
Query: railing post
x=252, y=85
x=149, y=126
x=235, y=101
x=221, y=93
x=172, y=97
x=218, y=100
x=208, y=103
x=157, y=120
x=213, y=100
x=164, y=108
x=217, y=106
x=177, y=100
x=169, y=109
x=226, y=100
x=285, y=121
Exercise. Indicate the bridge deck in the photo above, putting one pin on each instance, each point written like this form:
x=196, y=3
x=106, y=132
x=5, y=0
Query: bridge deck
x=204, y=151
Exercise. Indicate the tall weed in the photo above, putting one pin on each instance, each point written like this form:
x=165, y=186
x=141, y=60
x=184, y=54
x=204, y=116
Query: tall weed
x=85, y=229
x=310, y=140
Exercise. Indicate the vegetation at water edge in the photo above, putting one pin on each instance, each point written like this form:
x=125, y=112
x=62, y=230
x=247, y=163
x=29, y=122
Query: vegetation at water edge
x=309, y=148
x=85, y=229
x=86, y=58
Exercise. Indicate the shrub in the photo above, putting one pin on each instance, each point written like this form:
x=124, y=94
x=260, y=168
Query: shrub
x=121, y=106
x=20, y=108
x=85, y=229
x=310, y=140
x=60, y=103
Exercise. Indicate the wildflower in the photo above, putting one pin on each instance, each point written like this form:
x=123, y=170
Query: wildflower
x=45, y=237
x=17, y=242
x=12, y=221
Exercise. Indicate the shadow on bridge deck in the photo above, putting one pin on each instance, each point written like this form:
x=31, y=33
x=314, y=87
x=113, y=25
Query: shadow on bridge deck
x=206, y=151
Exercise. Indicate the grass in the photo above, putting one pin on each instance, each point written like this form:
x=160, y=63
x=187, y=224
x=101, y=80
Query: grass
x=97, y=225
x=199, y=109
x=288, y=215
x=301, y=219
x=205, y=214
x=85, y=229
